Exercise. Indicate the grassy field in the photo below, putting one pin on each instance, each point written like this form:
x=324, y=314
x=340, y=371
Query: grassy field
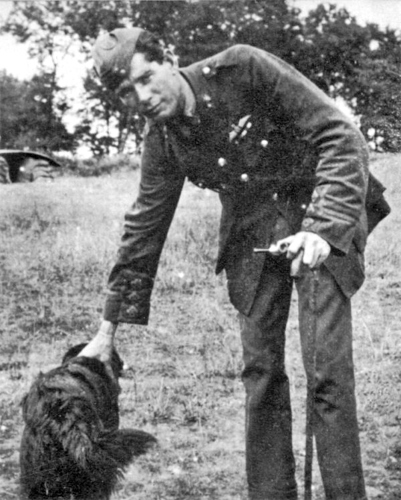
x=58, y=242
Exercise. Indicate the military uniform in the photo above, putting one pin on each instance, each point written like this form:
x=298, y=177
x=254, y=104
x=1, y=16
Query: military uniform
x=283, y=159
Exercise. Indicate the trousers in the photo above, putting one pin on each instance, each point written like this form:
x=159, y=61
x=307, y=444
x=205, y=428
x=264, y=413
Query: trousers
x=270, y=463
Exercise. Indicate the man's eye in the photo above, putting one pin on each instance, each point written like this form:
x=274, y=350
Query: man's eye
x=125, y=92
x=145, y=79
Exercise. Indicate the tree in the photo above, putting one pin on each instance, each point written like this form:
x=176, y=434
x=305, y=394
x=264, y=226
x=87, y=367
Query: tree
x=329, y=47
x=27, y=115
x=199, y=29
x=378, y=99
x=360, y=64
x=45, y=101
x=12, y=104
x=195, y=29
x=106, y=125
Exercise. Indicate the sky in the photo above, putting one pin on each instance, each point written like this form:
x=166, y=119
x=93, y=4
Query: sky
x=15, y=60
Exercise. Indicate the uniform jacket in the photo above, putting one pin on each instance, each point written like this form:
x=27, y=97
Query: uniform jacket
x=283, y=159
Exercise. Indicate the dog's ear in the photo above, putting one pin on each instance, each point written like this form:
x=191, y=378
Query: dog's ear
x=73, y=352
x=117, y=364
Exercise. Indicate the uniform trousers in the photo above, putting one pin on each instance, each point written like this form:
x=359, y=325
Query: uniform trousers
x=269, y=456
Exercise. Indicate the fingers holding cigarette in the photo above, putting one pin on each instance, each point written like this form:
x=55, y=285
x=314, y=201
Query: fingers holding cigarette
x=302, y=248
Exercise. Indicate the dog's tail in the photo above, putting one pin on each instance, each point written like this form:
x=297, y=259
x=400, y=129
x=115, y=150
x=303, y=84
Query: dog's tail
x=124, y=445
x=110, y=450
x=105, y=458
x=99, y=453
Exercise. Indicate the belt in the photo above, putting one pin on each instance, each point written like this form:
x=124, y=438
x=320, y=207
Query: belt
x=245, y=184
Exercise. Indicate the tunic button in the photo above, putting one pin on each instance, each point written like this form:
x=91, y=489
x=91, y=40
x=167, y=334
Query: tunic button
x=303, y=206
x=132, y=311
x=201, y=184
x=222, y=162
x=208, y=100
x=206, y=70
x=275, y=196
x=244, y=177
x=264, y=143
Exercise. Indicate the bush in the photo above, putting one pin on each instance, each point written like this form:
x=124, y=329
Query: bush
x=96, y=167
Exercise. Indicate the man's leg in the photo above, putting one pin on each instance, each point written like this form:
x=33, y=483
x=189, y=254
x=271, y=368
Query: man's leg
x=335, y=419
x=269, y=457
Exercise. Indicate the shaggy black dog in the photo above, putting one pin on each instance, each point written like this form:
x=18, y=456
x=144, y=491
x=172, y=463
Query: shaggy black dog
x=71, y=446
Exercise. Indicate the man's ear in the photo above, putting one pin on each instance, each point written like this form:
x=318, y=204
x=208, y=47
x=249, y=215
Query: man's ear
x=170, y=57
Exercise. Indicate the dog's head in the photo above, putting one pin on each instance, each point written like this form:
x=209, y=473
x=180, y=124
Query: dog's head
x=117, y=363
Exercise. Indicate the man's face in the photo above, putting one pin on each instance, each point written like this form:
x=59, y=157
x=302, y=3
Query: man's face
x=152, y=88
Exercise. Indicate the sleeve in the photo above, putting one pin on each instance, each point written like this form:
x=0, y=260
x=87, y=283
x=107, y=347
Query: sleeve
x=341, y=176
x=146, y=226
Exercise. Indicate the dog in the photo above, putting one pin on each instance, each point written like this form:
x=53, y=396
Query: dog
x=72, y=447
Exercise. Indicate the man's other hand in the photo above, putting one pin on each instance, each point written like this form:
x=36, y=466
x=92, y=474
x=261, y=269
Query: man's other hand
x=305, y=247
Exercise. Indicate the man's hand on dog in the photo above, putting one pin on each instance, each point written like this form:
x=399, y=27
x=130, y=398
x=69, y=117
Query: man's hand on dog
x=101, y=345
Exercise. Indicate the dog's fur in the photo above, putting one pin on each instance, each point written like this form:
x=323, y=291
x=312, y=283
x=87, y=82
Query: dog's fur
x=71, y=446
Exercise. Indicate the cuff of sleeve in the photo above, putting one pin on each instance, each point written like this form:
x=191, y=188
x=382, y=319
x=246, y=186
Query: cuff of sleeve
x=117, y=310
x=132, y=303
x=338, y=236
x=134, y=313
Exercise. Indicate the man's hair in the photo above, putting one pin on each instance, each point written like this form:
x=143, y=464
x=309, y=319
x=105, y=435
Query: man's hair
x=149, y=45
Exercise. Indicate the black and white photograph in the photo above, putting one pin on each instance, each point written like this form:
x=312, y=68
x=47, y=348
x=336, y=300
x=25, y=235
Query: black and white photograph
x=200, y=250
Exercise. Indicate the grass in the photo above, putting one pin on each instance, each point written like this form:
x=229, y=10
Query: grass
x=58, y=242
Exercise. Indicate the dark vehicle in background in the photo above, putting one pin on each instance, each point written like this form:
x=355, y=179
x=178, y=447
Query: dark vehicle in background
x=25, y=166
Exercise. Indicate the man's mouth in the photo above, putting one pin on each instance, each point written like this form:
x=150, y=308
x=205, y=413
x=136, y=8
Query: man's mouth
x=153, y=111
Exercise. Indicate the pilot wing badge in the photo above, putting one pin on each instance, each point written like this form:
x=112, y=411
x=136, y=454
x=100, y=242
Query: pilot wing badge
x=239, y=130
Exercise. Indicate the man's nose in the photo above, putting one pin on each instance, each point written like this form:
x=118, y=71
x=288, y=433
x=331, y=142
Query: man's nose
x=143, y=96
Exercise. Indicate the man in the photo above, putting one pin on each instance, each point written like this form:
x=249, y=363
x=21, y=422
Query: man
x=291, y=172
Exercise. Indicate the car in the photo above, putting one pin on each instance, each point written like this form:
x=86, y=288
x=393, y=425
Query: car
x=25, y=166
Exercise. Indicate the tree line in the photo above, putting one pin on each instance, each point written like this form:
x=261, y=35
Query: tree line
x=361, y=65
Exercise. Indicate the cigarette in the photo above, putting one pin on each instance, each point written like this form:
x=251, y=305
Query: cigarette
x=274, y=249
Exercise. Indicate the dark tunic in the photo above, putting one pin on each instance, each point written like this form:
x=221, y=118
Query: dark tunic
x=283, y=159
